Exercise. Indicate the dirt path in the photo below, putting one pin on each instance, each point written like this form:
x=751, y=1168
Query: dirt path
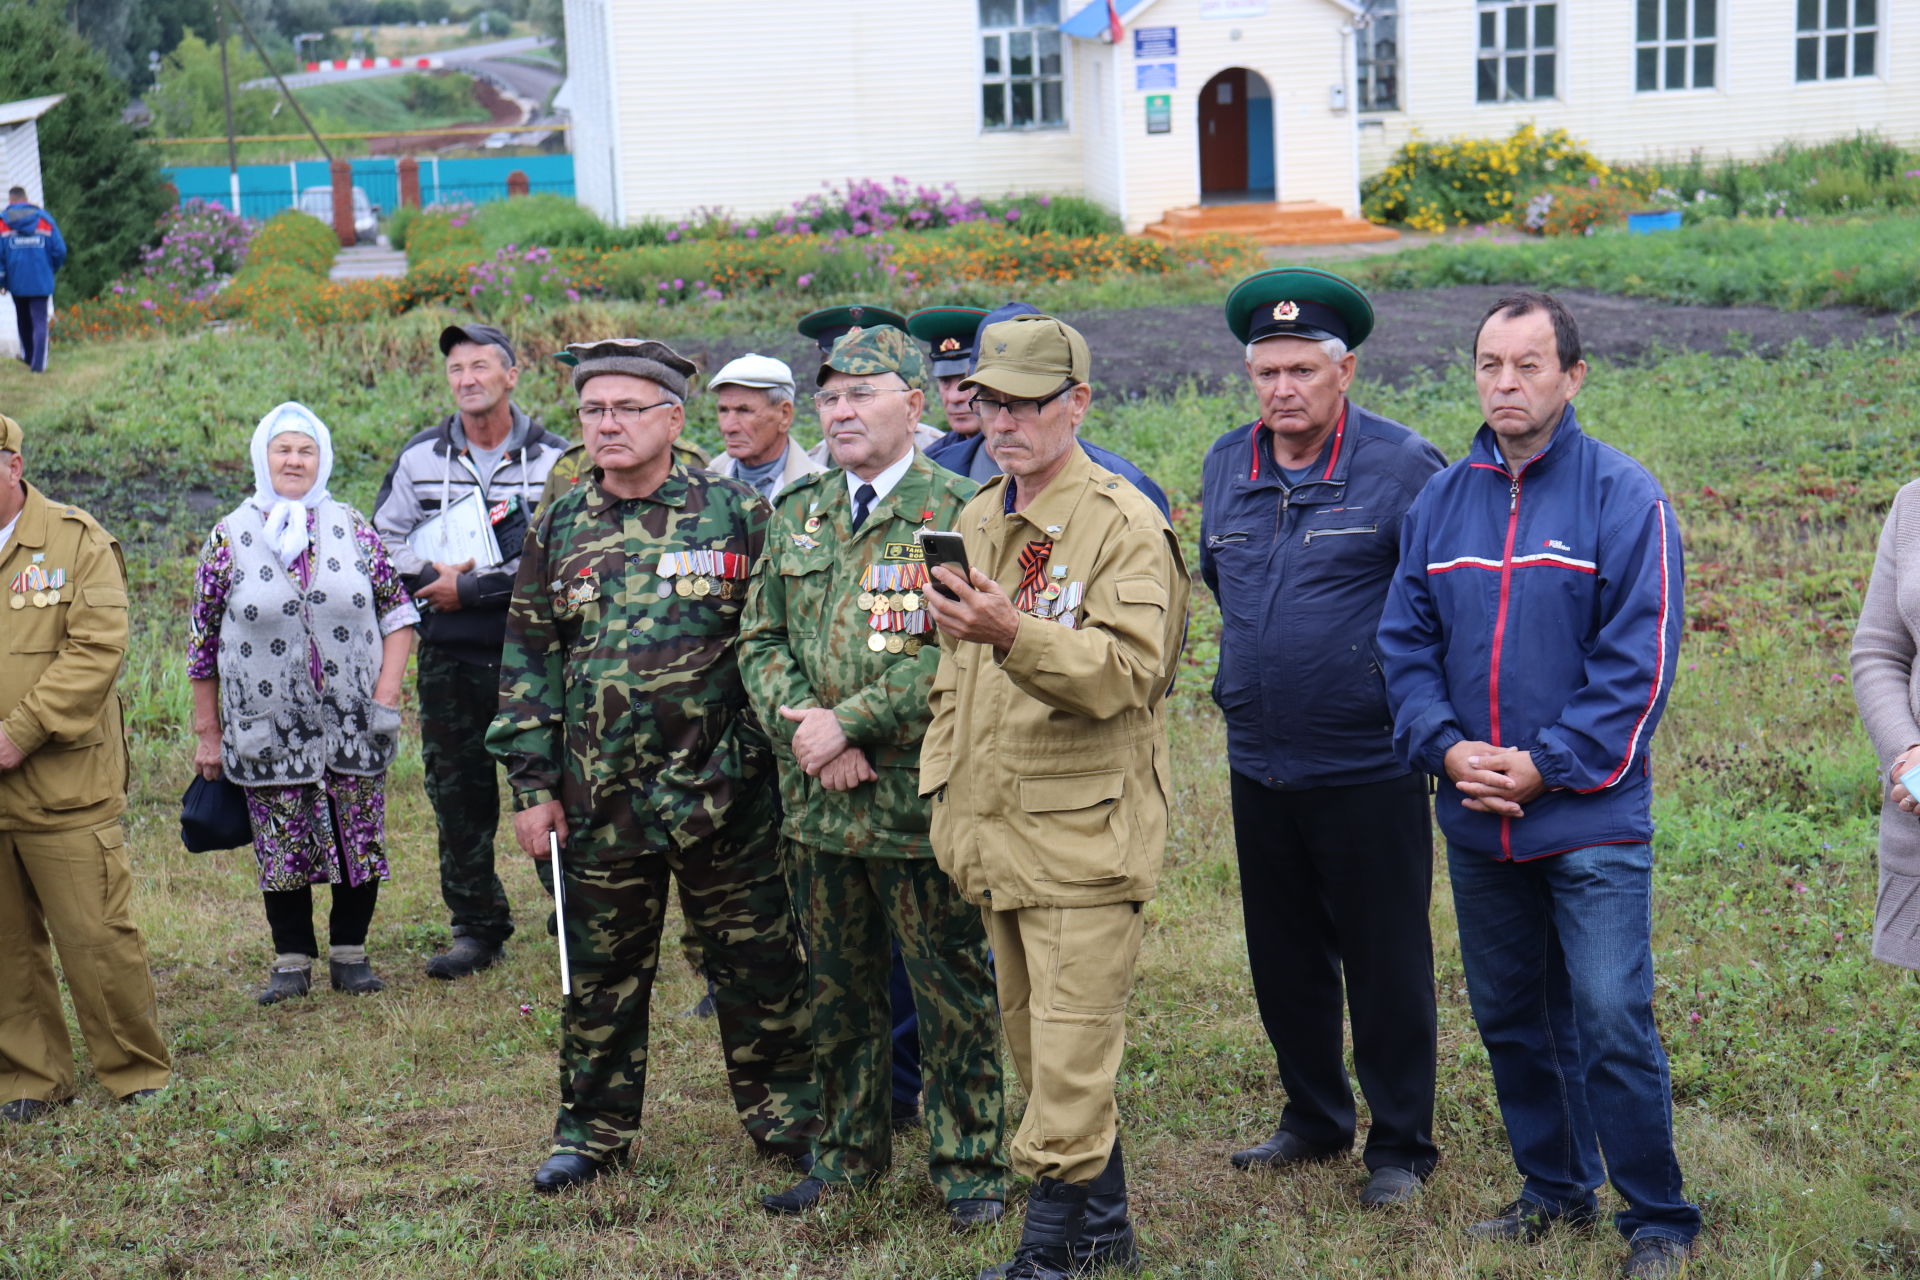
x=1146, y=350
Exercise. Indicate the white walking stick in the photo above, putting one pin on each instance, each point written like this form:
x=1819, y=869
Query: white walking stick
x=560, y=910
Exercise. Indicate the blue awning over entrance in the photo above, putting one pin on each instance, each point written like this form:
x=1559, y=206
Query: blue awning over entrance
x=1092, y=19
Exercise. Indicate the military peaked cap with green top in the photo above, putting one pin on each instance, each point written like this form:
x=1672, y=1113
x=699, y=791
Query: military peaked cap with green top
x=880, y=349
x=948, y=333
x=826, y=325
x=1299, y=302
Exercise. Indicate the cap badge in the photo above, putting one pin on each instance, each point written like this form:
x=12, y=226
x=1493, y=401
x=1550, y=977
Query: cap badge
x=949, y=344
x=999, y=348
x=1284, y=311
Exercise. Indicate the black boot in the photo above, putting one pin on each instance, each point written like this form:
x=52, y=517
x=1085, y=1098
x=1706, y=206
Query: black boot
x=1056, y=1217
x=354, y=977
x=1108, y=1238
x=467, y=955
x=284, y=984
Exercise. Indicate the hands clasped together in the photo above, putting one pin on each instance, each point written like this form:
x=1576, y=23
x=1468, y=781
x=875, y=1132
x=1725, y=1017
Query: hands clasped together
x=1496, y=780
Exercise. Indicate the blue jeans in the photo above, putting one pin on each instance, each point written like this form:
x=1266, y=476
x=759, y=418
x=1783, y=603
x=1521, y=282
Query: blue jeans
x=1559, y=961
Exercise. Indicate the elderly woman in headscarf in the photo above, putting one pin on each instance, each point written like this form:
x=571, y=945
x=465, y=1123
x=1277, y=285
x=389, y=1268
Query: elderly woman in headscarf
x=301, y=631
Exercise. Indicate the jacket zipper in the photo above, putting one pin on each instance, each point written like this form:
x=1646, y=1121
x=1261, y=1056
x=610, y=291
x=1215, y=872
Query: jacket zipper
x=1328, y=533
x=1499, y=639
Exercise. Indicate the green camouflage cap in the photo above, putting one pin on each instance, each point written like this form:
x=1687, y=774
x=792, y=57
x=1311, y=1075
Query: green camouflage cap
x=880, y=349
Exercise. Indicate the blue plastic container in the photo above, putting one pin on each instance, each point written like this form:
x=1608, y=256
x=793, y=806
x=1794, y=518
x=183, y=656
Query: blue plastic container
x=1645, y=224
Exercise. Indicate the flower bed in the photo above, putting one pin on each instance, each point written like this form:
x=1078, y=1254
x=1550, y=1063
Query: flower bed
x=1434, y=184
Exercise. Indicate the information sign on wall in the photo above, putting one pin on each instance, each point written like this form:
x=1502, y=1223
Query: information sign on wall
x=1156, y=75
x=1159, y=113
x=1156, y=42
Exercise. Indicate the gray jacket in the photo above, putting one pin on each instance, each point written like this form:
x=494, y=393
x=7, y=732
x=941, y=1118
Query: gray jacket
x=433, y=471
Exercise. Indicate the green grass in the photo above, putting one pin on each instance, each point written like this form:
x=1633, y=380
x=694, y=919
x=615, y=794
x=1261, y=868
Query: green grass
x=392, y=1136
x=380, y=104
x=1787, y=263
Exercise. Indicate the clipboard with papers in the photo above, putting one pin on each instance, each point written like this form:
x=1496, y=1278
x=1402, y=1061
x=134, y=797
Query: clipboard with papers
x=463, y=531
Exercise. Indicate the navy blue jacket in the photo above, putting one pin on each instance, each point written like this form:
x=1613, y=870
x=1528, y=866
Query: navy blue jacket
x=1301, y=574
x=958, y=454
x=1542, y=611
x=31, y=250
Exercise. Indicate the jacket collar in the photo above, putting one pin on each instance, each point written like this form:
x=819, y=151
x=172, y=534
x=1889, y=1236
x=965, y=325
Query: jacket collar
x=519, y=435
x=908, y=498
x=31, y=529
x=1332, y=464
x=671, y=493
x=1055, y=504
x=1486, y=445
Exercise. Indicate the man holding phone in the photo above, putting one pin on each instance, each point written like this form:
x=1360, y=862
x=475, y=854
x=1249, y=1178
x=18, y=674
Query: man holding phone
x=1047, y=765
x=837, y=655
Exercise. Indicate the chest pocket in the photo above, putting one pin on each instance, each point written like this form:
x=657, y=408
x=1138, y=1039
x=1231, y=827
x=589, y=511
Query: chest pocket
x=1340, y=525
x=806, y=586
x=1240, y=558
x=31, y=630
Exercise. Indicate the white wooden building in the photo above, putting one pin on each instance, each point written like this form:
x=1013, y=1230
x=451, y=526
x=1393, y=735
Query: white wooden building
x=20, y=143
x=749, y=105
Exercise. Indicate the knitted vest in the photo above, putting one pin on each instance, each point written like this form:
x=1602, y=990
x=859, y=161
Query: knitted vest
x=280, y=729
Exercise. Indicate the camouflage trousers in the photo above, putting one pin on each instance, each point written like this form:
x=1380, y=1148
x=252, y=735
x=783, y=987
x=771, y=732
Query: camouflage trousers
x=855, y=908
x=457, y=703
x=735, y=902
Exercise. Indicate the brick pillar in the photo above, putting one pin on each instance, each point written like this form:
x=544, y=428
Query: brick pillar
x=409, y=183
x=343, y=202
x=518, y=184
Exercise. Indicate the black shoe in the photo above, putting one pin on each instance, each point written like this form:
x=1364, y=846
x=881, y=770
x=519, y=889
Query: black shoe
x=139, y=1096
x=798, y=1198
x=1282, y=1150
x=968, y=1215
x=467, y=955
x=1107, y=1239
x=355, y=978
x=1656, y=1258
x=24, y=1110
x=704, y=1009
x=906, y=1114
x=1390, y=1188
x=1056, y=1220
x=284, y=984
x=567, y=1169
x=1529, y=1220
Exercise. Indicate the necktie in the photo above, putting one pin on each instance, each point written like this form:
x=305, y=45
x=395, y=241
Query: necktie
x=862, y=503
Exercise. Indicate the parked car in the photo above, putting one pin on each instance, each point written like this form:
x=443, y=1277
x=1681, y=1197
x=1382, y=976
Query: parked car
x=318, y=201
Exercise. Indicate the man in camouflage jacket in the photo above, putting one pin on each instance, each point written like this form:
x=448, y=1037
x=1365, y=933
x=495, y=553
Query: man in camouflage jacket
x=625, y=731
x=838, y=659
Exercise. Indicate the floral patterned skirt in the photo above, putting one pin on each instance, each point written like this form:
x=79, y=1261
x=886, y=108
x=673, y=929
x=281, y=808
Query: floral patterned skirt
x=325, y=832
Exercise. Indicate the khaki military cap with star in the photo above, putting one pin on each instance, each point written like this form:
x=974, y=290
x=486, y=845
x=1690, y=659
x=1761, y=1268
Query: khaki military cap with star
x=1299, y=302
x=826, y=325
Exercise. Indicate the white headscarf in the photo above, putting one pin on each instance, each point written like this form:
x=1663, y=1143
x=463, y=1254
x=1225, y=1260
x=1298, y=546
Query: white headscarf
x=286, y=518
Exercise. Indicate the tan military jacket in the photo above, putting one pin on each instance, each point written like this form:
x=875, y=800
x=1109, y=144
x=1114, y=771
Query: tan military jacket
x=1049, y=768
x=64, y=645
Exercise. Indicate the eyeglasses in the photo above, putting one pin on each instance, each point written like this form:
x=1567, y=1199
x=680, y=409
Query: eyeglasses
x=1024, y=412
x=625, y=415
x=826, y=401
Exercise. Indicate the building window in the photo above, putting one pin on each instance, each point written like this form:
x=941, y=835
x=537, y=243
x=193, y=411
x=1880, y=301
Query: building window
x=1378, y=48
x=1020, y=65
x=1674, y=44
x=1836, y=39
x=1518, y=59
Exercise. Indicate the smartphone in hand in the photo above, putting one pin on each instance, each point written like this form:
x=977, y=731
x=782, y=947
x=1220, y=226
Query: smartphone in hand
x=943, y=547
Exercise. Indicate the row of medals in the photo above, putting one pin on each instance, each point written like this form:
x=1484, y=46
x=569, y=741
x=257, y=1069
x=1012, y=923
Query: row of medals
x=38, y=584
x=698, y=585
x=39, y=599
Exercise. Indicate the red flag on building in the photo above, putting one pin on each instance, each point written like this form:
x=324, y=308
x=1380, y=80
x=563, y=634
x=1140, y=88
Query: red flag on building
x=1116, y=32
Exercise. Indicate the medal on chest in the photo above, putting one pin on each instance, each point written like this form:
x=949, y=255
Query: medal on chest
x=891, y=597
x=702, y=572
x=38, y=586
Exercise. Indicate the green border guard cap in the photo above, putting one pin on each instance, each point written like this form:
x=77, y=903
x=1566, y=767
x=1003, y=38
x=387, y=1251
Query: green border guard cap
x=826, y=325
x=948, y=333
x=1299, y=302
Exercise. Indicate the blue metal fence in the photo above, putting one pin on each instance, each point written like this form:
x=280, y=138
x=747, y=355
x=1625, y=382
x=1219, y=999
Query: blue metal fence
x=266, y=189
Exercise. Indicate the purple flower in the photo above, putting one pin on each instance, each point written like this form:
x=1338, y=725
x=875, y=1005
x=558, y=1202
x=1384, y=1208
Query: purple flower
x=672, y=235
x=678, y=283
x=1013, y=214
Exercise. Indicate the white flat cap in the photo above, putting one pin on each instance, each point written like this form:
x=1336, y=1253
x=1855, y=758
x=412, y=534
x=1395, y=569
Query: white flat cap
x=752, y=370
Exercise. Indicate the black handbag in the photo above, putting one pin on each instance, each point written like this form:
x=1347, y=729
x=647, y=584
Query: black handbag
x=213, y=815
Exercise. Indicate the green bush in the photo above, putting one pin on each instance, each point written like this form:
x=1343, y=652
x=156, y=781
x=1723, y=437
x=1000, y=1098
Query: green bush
x=437, y=95
x=441, y=230
x=400, y=225
x=1795, y=179
x=1045, y=214
x=1774, y=262
x=294, y=239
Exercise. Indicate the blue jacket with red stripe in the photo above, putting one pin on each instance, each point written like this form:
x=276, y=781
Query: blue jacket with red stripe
x=1539, y=610
x=31, y=250
x=1301, y=572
